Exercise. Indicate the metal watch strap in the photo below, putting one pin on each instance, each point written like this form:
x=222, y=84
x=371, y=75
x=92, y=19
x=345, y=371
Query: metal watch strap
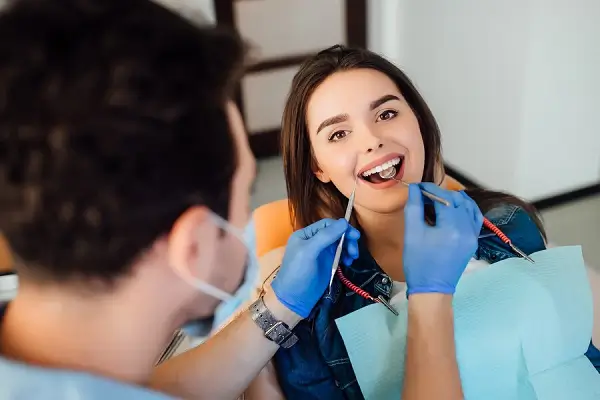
x=276, y=331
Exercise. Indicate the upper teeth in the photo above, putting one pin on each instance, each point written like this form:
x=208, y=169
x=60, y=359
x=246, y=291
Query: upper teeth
x=382, y=167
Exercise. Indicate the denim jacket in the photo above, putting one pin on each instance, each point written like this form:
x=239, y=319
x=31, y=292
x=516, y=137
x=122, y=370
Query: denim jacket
x=318, y=367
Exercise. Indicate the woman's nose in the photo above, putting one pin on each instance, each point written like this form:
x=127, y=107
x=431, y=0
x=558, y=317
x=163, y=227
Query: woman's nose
x=367, y=138
x=371, y=142
x=370, y=149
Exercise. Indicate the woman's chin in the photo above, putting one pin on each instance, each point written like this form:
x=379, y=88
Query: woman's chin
x=387, y=203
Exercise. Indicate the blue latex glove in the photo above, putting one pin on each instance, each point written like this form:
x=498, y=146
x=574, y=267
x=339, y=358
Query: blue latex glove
x=435, y=257
x=306, y=267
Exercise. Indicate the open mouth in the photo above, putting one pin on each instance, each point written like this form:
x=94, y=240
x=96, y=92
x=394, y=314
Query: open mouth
x=391, y=169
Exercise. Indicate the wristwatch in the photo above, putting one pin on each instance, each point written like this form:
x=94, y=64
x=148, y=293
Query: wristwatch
x=274, y=330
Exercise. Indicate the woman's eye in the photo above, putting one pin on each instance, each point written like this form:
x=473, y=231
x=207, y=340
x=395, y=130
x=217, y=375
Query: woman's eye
x=387, y=114
x=337, y=135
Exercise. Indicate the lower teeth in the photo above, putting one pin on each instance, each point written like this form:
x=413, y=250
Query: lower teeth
x=388, y=173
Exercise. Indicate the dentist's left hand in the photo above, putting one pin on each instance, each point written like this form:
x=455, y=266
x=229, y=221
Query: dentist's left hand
x=306, y=267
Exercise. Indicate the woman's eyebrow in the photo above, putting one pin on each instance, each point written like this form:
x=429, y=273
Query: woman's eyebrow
x=382, y=100
x=344, y=117
x=333, y=120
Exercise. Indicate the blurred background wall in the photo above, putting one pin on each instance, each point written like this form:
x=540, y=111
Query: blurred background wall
x=518, y=78
x=513, y=84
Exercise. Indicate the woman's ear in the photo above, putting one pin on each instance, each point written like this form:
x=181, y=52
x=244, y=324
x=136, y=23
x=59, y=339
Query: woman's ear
x=322, y=176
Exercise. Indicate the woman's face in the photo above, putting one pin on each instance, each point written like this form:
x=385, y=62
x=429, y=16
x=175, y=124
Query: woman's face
x=359, y=124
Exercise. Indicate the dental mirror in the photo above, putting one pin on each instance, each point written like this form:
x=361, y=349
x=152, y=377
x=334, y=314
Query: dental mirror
x=390, y=173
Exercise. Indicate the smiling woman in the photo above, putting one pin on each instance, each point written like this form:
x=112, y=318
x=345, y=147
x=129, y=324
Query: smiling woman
x=351, y=112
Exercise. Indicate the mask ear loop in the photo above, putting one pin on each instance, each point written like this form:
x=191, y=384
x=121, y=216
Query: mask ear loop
x=212, y=291
x=227, y=228
x=224, y=228
x=252, y=264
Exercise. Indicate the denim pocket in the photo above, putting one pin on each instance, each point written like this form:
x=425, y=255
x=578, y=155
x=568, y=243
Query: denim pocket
x=345, y=379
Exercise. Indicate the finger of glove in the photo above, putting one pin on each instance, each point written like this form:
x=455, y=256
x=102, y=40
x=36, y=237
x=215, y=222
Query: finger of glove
x=447, y=195
x=467, y=205
x=468, y=218
x=314, y=228
x=326, y=236
x=445, y=214
x=352, y=233
x=347, y=260
x=350, y=248
x=414, y=214
x=457, y=206
x=477, y=216
x=457, y=198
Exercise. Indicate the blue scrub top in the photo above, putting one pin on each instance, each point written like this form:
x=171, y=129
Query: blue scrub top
x=22, y=381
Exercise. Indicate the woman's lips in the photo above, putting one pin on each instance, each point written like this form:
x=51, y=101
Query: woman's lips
x=379, y=161
x=389, y=183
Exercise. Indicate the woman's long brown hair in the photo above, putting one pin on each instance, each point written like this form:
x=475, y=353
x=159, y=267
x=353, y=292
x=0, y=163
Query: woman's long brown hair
x=310, y=199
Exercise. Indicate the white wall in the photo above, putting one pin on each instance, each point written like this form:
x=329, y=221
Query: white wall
x=518, y=78
x=561, y=102
x=8, y=287
x=280, y=28
x=275, y=29
x=385, y=28
x=513, y=84
x=192, y=8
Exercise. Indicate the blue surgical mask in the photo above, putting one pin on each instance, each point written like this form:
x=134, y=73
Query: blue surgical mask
x=244, y=293
x=230, y=303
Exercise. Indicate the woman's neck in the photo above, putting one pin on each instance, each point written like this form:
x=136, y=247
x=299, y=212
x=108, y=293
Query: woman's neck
x=385, y=240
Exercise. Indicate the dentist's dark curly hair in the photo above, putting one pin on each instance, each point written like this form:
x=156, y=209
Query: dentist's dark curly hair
x=310, y=199
x=112, y=123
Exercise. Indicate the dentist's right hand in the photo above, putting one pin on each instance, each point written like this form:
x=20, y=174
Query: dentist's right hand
x=435, y=257
x=306, y=267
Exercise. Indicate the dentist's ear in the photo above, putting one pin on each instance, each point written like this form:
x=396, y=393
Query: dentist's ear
x=192, y=243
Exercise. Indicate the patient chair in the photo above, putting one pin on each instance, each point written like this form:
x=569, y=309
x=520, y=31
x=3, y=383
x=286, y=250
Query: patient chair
x=6, y=260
